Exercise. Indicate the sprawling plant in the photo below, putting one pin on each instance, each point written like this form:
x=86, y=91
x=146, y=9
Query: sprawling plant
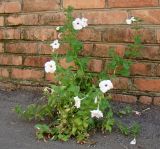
x=76, y=103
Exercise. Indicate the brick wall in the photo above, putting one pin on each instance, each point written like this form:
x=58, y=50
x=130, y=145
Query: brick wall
x=27, y=25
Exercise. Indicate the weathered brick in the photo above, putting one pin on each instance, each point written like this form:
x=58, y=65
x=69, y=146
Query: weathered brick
x=102, y=50
x=124, y=98
x=56, y=18
x=106, y=17
x=156, y=101
x=1, y=47
x=158, y=35
x=9, y=33
x=1, y=21
x=117, y=34
x=82, y=4
x=145, y=100
x=149, y=16
x=141, y=69
x=36, y=61
x=47, y=49
x=63, y=62
x=38, y=33
x=50, y=77
x=90, y=34
x=150, y=52
x=10, y=60
x=12, y=6
x=158, y=70
x=121, y=83
x=95, y=65
x=132, y=3
x=4, y=73
x=27, y=19
x=147, y=84
x=27, y=74
x=87, y=50
x=40, y=5
x=20, y=47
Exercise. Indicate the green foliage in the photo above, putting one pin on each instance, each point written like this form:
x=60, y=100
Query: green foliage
x=65, y=119
x=133, y=130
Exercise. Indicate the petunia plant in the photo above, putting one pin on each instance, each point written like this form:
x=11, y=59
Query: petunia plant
x=78, y=102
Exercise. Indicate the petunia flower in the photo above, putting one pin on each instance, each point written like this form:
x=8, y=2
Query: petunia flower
x=77, y=24
x=58, y=28
x=133, y=142
x=55, y=44
x=105, y=85
x=50, y=67
x=77, y=102
x=131, y=20
x=84, y=22
x=96, y=113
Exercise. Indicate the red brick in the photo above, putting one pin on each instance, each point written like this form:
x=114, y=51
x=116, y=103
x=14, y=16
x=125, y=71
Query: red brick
x=117, y=34
x=141, y=69
x=10, y=60
x=145, y=100
x=95, y=65
x=106, y=17
x=20, y=47
x=66, y=64
x=149, y=16
x=1, y=47
x=12, y=7
x=4, y=73
x=124, y=98
x=40, y=5
x=1, y=21
x=102, y=50
x=121, y=83
x=147, y=84
x=150, y=52
x=89, y=35
x=156, y=101
x=78, y=4
x=132, y=3
x=38, y=33
x=35, y=61
x=27, y=74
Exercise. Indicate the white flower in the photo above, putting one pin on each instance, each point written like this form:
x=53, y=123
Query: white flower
x=133, y=142
x=96, y=113
x=95, y=100
x=77, y=24
x=77, y=102
x=55, y=44
x=131, y=20
x=84, y=22
x=128, y=21
x=58, y=28
x=105, y=85
x=50, y=67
